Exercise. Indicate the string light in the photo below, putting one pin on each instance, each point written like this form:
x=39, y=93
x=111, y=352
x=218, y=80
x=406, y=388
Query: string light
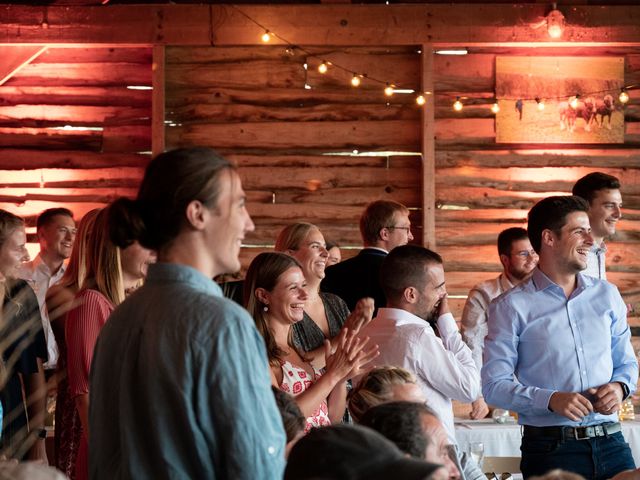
x=540, y=104
x=420, y=100
x=573, y=103
x=555, y=23
x=624, y=96
x=355, y=80
x=457, y=105
x=266, y=36
x=388, y=91
x=495, y=108
x=323, y=67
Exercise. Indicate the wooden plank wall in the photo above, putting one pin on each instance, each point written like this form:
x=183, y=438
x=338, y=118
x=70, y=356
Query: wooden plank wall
x=251, y=104
x=483, y=187
x=71, y=133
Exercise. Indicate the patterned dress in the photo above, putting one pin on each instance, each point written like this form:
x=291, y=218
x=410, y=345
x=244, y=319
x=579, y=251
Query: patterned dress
x=295, y=381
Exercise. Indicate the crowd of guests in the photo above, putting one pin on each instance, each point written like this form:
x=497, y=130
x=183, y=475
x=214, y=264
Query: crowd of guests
x=313, y=367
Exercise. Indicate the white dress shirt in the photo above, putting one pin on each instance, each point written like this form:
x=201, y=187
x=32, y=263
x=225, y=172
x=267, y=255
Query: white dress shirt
x=37, y=274
x=443, y=366
x=475, y=313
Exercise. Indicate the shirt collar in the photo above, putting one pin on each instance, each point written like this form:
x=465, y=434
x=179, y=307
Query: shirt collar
x=505, y=283
x=598, y=249
x=542, y=282
x=400, y=316
x=179, y=273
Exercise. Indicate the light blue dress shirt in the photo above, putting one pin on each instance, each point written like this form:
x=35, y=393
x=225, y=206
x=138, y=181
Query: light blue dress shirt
x=539, y=343
x=180, y=387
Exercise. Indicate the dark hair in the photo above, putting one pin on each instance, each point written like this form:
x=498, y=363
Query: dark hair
x=401, y=422
x=331, y=244
x=508, y=236
x=376, y=216
x=125, y=223
x=588, y=185
x=405, y=266
x=551, y=214
x=171, y=181
x=264, y=272
x=45, y=217
x=292, y=417
x=8, y=223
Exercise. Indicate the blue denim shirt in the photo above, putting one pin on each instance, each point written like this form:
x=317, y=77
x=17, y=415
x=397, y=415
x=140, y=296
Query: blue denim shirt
x=540, y=342
x=180, y=387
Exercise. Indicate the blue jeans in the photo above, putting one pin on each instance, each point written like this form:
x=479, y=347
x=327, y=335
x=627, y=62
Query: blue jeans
x=597, y=458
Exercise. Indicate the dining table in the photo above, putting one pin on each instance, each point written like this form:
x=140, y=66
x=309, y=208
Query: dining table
x=503, y=439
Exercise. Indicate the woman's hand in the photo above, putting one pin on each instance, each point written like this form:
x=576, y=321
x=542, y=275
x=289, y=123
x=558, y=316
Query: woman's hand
x=350, y=357
x=360, y=316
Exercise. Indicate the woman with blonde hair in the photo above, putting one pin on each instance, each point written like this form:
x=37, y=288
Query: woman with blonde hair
x=111, y=271
x=275, y=295
x=60, y=300
x=325, y=313
x=23, y=350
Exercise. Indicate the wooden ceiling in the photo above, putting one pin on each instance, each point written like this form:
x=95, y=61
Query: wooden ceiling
x=310, y=2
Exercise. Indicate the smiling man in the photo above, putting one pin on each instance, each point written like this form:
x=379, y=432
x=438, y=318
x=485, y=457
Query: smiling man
x=559, y=352
x=56, y=232
x=602, y=192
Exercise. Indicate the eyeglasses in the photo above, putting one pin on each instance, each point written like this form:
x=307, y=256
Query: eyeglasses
x=525, y=254
x=406, y=229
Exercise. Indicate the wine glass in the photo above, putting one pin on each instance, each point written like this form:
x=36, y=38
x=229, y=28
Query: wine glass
x=476, y=451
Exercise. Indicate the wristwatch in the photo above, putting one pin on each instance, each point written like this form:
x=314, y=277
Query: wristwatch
x=625, y=390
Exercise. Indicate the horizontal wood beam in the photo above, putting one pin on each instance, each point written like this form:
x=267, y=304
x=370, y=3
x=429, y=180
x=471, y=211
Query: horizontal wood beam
x=440, y=25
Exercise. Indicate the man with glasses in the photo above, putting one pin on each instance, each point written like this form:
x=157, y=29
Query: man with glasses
x=518, y=260
x=384, y=225
x=602, y=192
x=559, y=353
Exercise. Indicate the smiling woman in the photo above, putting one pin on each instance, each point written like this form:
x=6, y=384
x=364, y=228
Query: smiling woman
x=275, y=295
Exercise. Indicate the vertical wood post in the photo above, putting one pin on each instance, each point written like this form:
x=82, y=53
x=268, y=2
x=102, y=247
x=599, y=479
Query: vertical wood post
x=428, y=150
x=157, y=102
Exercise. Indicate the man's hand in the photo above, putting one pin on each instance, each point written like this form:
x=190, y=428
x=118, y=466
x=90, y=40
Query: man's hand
x=479, y=409
x=444, y=306
x=574, y=406
x=607, y=398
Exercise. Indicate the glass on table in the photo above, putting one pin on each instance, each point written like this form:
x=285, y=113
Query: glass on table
x=476, y=451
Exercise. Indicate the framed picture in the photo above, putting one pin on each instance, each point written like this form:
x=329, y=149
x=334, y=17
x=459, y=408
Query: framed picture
x=559, y=99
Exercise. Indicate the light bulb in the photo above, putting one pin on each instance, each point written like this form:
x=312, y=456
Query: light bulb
x=266, y=36
x=420, y=100
x=322, y=68
x=495, y=108
x=388, y=91
x=355, y=81
x=540, y=104
x=457, y=105
x=573, y=103
x=555, y=23
x=624, y=96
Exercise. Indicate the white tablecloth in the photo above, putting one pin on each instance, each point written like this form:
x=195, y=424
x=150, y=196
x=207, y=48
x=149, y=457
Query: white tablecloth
x=504, y=440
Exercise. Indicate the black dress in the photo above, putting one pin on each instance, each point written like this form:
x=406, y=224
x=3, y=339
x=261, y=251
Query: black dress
x=22, y=341
x=307, y=335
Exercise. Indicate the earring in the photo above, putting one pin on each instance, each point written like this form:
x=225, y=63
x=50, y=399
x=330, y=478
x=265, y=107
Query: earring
x=265, y=308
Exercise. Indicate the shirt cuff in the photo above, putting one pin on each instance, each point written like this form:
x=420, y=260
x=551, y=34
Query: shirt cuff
x=541, y=399
x=447, y=324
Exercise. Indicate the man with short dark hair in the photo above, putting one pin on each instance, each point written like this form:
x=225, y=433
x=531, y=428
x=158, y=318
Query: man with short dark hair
x=415, y=429
x=518, y=259
x=559, y=352
x=384, y=225
x=602, y=192
x=412, y=278
x=56, y=232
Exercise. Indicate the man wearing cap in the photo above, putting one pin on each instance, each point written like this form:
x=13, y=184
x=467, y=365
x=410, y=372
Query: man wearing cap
x=357, y=453
x=558, y=352
x=602, y=192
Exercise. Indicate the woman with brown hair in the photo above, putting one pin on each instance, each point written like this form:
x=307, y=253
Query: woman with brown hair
x=111, y=271
x=275, y=295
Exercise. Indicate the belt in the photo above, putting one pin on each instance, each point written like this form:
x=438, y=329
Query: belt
x=572, y=433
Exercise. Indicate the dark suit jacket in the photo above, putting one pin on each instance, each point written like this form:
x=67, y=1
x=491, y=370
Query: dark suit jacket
x=356, y=278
